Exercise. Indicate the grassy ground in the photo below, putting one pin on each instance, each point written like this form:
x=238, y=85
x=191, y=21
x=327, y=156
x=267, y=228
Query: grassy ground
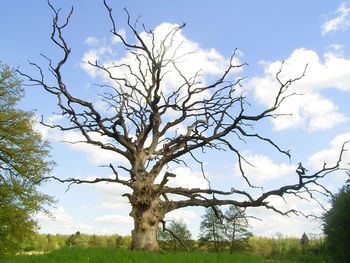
x=100, y=255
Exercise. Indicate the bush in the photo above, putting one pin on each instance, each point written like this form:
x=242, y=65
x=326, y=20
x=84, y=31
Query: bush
x=336, y=226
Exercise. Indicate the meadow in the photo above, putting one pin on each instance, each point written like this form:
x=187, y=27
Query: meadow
x=113, y=248
x=100, y=255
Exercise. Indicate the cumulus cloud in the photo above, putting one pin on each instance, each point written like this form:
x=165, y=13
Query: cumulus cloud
x=60, y=222
x=340, y=21
x=117, y=40
x=184, y=215
x=185, y=177
x=310, y=110
x=111, y=195
x=271, y=223
x=330, y=155
x=95, y=154
x=93, y=55
x=188, y=55
x=262, y=169
x=115, y=219
x=292, y=226
x=92, y=41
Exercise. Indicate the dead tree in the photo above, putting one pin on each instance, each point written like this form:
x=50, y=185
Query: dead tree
x=138, y=126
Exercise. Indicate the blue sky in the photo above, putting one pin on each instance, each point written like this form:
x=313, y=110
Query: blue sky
x=265, y=33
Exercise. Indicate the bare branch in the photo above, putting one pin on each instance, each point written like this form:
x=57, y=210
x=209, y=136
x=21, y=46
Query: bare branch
x=144, y=119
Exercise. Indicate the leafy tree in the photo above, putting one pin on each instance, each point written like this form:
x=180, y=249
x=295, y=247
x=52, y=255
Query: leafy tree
x=23, y=164
x=212, y=229
x=336, y=225
x=78, y=240
x=218, y=228
x=96, y=241
x=304, y=241
x=176, y=236
x=145, y=115
x=51, y=243
x=236, y=225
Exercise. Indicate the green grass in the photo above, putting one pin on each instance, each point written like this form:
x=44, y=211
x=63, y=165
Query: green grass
x=100, y=255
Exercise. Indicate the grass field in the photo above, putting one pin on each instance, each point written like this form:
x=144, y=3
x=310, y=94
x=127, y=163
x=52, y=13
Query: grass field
x=100, y=255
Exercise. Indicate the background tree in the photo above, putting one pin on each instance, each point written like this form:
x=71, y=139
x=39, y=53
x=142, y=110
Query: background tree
x=96, y=241
x=145, y=116
x=336, y=225
x=212, y=230
x=175, y=236
x=23, y=164
x=304, y=241
x=236, y=225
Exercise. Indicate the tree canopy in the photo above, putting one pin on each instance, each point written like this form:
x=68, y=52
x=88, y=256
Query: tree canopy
x=212, y=229
x=175, y=236
x=218, y=228
x=23, y=164
x=336, y=225
x=155, y=123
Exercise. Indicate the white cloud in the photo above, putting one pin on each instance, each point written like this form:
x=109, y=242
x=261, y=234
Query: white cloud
x=116, y=40
x=273, y=223
x=184, y=215
x=263, y=169
x=311, y=110
x=111, y=196
x=60, y=222
x=189, y=56
x=186, y=178
x=92, y=41
x=331, y=154
x=95, y=154
x=115, y=219
x=92, y=56
x=340, y=22
x=292, y=226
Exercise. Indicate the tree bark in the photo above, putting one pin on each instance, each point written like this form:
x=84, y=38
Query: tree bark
x=146, y=220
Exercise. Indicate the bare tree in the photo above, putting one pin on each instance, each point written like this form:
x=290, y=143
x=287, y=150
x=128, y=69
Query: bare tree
x=138, y=126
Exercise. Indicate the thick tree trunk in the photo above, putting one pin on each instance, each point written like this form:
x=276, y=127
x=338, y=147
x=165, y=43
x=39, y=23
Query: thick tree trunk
x=144, y=237
x=146, y=220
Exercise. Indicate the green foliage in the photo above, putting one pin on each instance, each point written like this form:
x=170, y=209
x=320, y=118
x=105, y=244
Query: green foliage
x=116, y=241
x=304, y=241
x=23, y=163
x=236, y=227
x=337, y=226
x=218, y=231
x=77, y=240
x=45, y=243
x=169, y=242
x=212, y=231
x=97, y=241
x=286, y=248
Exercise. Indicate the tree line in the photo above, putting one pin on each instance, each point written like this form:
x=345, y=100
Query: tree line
x=276, y=247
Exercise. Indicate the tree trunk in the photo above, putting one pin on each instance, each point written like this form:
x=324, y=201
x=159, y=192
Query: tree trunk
x=233, y=236
x=146, y=220
x=144, y=237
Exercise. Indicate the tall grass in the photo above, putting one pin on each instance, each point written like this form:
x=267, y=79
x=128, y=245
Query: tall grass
x=100, y=255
